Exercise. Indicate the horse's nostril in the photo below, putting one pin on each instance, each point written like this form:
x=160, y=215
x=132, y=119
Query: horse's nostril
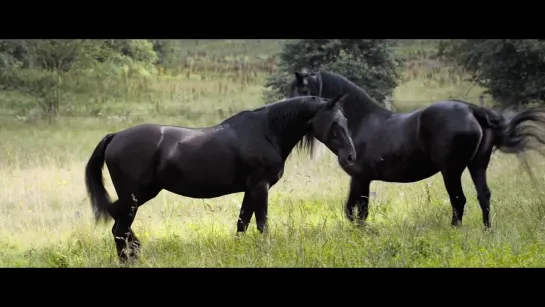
x=350, y=158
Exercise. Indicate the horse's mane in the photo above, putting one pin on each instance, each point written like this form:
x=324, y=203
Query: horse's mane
x=282, y=112
x=340, y=84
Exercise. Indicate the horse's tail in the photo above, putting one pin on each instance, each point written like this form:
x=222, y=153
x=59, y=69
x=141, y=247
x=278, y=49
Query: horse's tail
x=94, y=180
x=515, y=132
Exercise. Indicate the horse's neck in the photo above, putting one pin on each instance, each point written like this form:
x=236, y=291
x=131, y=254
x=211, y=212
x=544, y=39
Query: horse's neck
x=358, y=107
x=289, y=139
x=290, y=128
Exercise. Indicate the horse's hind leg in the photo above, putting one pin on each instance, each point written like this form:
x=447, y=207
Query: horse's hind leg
x=452, y=178
x=457, y=157
x=452, y=168
x=126, y=242
x=478, y=174
x=124, y=212
x=477, y=169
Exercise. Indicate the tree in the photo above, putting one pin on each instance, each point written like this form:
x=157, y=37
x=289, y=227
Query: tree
x=46, y=70
x=511, y=70
x=167, y=51
x=371, y=64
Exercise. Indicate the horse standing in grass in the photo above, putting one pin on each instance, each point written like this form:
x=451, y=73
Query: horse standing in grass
x=245, y=153
x=445, y=137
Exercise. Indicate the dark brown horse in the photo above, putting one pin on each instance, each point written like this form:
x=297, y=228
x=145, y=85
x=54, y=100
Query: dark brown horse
x=445, y=137
x=245, y=153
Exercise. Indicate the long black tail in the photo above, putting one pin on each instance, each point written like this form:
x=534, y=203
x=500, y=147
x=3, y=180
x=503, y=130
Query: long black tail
x=516, y=132
x=94, y=180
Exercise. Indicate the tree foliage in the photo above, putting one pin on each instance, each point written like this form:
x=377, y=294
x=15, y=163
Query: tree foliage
x=511, y=70
x=167, y=51
x=370, y=64
x=56, y=54
x=44, y=69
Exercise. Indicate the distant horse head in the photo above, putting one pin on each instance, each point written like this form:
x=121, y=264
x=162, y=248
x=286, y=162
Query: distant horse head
x=328, y=84
x=306, y=83
x=329, y=126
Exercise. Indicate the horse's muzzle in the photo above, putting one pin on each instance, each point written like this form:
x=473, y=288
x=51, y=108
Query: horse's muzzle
x=347, y=161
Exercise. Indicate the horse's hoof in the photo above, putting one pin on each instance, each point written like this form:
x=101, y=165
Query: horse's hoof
x=360, y=223
x=456, y=224
x=128, y=260
x=128, y=257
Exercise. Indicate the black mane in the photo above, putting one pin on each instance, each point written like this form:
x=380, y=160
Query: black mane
x=281, y=113
x=358, y=101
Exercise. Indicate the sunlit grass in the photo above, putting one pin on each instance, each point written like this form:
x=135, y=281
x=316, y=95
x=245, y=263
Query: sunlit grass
x=46, y=220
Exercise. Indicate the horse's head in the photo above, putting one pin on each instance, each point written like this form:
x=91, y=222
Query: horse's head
x=305, y=84
x=329, y=126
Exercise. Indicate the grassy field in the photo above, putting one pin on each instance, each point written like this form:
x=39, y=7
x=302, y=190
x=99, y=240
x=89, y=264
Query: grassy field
x=46, y=220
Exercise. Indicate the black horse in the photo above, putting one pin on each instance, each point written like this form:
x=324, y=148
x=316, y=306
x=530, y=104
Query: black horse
x=245, y=153
x=445, y=137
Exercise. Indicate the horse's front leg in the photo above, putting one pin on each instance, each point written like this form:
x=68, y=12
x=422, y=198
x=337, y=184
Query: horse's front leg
x=246, y=212
x=260, y=201
x=358, y=198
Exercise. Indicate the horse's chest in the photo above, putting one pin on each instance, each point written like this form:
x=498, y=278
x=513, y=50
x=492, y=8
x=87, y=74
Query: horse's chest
x=280, y=173
x=276, y=174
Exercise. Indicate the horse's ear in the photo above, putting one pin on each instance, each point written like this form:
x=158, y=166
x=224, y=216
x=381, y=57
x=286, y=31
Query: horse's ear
x=342, y=100
x=299, y=77
x=337, y=100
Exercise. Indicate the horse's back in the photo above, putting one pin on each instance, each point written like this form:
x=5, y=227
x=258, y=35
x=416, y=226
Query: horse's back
x=450, y=132
x=141, y=139
x=141, y=145
x=197, y=142
x=450, y=114
x=391, y=134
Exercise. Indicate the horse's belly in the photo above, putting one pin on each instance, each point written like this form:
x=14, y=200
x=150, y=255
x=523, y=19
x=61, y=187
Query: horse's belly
x=201, y=179
x=196, y=189
x=405, y=170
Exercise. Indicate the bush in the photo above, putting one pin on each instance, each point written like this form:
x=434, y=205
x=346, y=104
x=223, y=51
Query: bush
x=371, y=64
x=49, y=71
x=509, y=69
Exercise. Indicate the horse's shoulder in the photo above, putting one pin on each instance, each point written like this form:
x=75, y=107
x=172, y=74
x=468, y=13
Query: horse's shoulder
x=450, y=104
x=179, y=131
x=399, y=120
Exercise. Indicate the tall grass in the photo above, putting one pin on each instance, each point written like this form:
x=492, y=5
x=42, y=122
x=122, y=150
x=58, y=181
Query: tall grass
x=46, y=221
